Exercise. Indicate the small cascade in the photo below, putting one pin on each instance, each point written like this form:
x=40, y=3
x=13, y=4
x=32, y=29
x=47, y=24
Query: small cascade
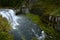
x=9, y=14
x=42, y=37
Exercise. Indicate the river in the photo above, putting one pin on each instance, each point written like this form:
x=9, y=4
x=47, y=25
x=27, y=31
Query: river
x=22, y=27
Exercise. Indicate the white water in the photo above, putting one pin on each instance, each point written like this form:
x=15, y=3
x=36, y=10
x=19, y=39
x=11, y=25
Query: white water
x=9, y=14
x=42, y=37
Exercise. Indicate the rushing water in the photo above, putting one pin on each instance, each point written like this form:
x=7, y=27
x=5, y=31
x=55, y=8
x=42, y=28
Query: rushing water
x=10, y=16
x=22, y=26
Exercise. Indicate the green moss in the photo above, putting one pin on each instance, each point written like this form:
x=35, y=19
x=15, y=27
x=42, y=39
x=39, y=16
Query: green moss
x=34, y=38
x=4, y=30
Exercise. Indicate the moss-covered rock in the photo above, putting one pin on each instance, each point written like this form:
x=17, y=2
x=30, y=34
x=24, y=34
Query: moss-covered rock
x=4, y=30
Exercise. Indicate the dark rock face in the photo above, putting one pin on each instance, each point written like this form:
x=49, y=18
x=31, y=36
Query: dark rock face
x=57, y=28
x=37, y=11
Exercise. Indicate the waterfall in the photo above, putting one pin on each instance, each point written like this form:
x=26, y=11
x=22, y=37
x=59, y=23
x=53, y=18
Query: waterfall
x=24, y=26
x=9, y=14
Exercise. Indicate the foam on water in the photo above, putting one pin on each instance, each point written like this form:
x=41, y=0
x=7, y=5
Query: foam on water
x=9, y=14
x=42, y=37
